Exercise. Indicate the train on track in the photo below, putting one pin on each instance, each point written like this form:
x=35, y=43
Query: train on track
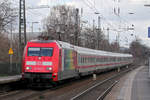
x=54, y=61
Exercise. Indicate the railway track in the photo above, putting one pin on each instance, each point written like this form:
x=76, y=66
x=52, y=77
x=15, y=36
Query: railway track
x=20, y=94
x=101, y=89
x=57, y=92
x=25, y=94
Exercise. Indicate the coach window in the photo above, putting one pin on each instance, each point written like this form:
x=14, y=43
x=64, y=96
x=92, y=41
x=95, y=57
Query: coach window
x=102, y=59
x=108, y=59
x=80, y=59
x=117, y=59
x=83, y=60
x=105, y=59
x=92, y=59
x=86, y=59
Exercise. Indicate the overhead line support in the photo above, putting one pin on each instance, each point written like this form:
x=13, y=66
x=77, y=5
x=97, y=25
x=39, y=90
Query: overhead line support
x=22, y=28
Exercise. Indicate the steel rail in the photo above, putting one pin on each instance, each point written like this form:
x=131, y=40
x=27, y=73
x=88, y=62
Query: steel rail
x=102, y=96
x=7, y=94
x=98, y=84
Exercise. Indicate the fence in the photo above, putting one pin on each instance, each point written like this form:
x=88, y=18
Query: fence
x=5, y=69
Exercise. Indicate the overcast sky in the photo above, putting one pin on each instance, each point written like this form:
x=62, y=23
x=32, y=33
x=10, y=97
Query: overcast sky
x=140, y=17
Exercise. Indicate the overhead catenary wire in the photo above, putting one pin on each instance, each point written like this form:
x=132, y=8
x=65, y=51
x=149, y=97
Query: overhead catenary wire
x=100, y=15
x=87, y=3
x=91, y=6
x=117, y=16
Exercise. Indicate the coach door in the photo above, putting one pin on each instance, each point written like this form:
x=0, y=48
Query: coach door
x=68, y=63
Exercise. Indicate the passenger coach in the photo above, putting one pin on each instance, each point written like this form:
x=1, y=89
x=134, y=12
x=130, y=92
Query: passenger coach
x=53, y=61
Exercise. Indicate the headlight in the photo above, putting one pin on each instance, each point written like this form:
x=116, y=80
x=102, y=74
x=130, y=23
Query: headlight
x=49, y=68
x=28, y=68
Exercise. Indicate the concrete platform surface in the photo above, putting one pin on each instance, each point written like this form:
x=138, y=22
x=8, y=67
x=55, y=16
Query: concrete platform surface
x=141, y=85
x=8, y=79
x=133, y=86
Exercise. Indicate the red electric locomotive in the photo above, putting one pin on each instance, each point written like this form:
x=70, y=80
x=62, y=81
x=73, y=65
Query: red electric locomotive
x=52, y=61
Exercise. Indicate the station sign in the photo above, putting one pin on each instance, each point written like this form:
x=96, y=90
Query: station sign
x=10, y=52
x=148, y=32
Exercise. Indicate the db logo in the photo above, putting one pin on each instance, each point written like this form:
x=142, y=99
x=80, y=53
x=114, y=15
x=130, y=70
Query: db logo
x=39, y=63
x=39, y=58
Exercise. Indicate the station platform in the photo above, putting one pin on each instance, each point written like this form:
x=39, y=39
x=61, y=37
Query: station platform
x=9, y=79
x=133, y=86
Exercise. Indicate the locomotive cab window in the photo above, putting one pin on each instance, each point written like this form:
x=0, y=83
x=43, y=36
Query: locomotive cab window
x=33, y=51
x=36, y=51
x=46, y=51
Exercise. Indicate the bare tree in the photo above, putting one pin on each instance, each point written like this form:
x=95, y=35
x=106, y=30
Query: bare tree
x=139, y=51
x=60, y=24
x=6, y=17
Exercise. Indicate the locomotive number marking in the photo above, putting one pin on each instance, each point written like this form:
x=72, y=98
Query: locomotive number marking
x=39, y=63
